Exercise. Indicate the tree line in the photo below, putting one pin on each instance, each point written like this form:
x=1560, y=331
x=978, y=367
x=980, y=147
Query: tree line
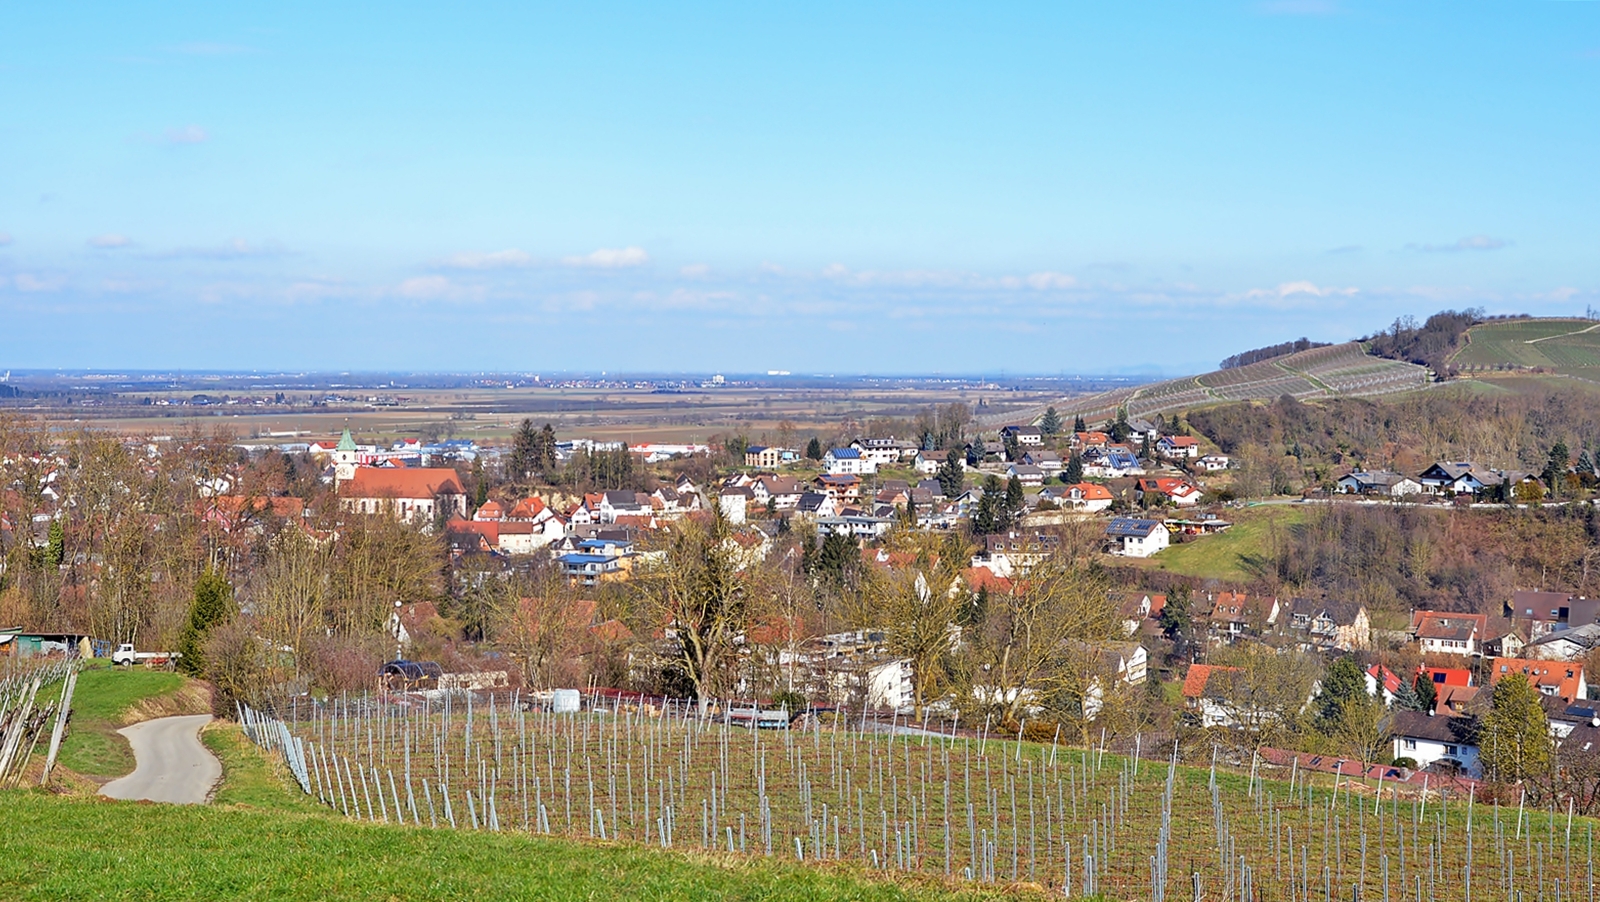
x=1245, y=358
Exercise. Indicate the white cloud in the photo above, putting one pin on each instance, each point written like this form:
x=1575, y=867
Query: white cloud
x=109, y=241
x=1302, y=288
x=237, y=249
x=1469, y=243
x=695, y=271
x=1051, y=280
x=189, y=134
x=510, y=258
x=611, y=258
x=438, y=288
x=31, y=283
x=5, y=238
x=307, y=290
x=910, y=278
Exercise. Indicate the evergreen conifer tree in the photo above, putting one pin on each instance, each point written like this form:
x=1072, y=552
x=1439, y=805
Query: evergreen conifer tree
x=524, y=450
x=1051, y=423
x=1074, y=473
x=952, y=474
x=212, y=606
x=1342, y=686
x=1016, y=500
x=55, y=551
x=1422, y=689
x=545, y=460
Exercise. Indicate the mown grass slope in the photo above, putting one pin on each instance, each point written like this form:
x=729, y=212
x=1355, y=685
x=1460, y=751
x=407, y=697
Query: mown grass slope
x=61, y=848
x=1236, y=555
x=109, y=698
x=250, y=777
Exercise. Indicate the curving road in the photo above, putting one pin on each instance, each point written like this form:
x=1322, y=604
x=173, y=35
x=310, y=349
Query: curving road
x=172, y=765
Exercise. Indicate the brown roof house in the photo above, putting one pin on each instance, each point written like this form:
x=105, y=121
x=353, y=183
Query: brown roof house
x=1446, y=633
x=1341, y=625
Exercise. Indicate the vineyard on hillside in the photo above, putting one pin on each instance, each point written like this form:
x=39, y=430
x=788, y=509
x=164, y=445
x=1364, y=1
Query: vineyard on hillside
x=1569, y=346
x=1343, y=370
x=923, y=803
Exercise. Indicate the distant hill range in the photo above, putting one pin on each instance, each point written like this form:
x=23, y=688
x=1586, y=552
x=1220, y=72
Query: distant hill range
x=1332, y=371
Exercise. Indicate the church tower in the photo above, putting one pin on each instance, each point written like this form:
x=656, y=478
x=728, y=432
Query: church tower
x=344, y=458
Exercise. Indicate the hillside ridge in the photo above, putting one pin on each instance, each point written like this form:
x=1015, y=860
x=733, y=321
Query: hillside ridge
x=1343, y=370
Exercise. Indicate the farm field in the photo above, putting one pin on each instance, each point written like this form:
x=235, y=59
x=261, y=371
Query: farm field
x=1569, y=346
x=920, y=805
x=608, y=414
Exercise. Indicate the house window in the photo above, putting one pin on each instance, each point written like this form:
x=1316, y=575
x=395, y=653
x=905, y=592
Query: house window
x=1409, y=745
x=1451, y=750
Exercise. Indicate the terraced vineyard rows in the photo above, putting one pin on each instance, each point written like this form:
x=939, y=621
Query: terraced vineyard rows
x=1344, y=370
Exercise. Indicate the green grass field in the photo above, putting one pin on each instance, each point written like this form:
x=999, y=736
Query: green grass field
x=1234, y=555
x=60, y=848
x=250, y=778
x=106, y=699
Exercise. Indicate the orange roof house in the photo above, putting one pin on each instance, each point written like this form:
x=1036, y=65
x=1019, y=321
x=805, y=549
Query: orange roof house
x=1560, y=679
x=527, y=509
x=1091, y=491
x=1194, y=682
x=983, y=578
x=411, y=494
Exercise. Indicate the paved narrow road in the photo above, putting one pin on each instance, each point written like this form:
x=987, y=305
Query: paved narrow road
x=171, y=764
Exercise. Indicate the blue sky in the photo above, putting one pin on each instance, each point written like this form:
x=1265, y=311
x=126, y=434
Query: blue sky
x=814, y=187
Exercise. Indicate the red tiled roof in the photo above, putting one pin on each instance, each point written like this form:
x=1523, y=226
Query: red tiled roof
x=488, y=529
x=280, y=506
x=611, y=631
x=420, y=483
x=1382, y=674
x=527, y=508
x=1562, y=675
x=983, y=578
x=1090, y=491
x=1165, y=485
x=1447, y=625
x=1449, y=676
x=417, y=613
x=775, y=630
x=1194, y=682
